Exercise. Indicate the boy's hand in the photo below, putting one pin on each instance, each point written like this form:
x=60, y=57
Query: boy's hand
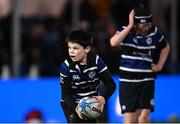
x=131, y=19
x=156, y=67
x=79, y=113
x=101, y=101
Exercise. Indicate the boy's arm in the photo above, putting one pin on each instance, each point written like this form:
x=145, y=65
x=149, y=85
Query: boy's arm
x=120, y=36
x=162, y=59
x=109, y=83
x=67, y=92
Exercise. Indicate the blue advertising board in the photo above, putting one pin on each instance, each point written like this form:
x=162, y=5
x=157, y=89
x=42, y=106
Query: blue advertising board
x=18, y=96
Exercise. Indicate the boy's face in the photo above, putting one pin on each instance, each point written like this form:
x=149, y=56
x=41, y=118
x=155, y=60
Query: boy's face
x=78, y=53
x=143, y=28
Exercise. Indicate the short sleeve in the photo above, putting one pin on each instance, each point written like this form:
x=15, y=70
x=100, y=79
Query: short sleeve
x=64, y=70
x=101, y=66
x=162, y=42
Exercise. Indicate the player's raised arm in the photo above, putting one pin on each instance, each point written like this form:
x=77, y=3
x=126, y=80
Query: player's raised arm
x=119, y=36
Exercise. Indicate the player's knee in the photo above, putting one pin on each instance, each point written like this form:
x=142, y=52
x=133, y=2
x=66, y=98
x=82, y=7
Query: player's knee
x=130, y=119
x=144, y=119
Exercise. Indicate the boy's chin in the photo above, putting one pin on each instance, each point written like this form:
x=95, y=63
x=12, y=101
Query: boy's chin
x=143, y=33
x=74, y=60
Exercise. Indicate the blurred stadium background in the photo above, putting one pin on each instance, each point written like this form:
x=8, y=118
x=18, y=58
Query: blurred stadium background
x=32, y=47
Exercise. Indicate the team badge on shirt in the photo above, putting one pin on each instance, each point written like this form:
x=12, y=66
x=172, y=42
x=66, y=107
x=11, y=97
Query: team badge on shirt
x=149, y=41
x=92, y=74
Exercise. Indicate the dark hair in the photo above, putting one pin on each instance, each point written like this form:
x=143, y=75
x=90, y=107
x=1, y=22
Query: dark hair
x=142, y=14
x=81, y=37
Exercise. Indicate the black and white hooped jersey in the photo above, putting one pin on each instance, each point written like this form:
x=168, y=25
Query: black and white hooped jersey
x=137, y=55
x=82, y=80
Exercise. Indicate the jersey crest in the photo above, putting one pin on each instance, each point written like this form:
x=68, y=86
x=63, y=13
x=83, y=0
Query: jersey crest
x=92, y=74
x=149, y=40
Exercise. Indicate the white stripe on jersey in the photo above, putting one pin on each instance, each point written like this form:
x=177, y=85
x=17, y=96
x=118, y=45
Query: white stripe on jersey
x=139, y=47
x=161, y=39
x=83, y=82
x=89, y=69
x=134, y=70
x=135, y=58
x=88, y=93
x=72, y=70
x=95, y=79
x=136, y=80
x=153, y=33
x=97, y=57
x=66, y=62
x=63, y=75
x=105, y=68
x=77, y=67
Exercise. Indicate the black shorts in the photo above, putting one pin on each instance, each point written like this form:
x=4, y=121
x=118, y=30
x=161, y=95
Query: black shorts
x=136, y=95
x=72, y=116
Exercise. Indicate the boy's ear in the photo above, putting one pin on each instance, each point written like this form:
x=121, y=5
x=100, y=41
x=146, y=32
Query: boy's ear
x=87, y=49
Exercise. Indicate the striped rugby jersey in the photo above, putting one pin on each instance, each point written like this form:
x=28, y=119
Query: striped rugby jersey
x=137, y=55
x=82, y=80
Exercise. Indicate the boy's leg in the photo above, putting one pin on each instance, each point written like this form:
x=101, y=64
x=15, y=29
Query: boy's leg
x=144, y=116
x=130, y=117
